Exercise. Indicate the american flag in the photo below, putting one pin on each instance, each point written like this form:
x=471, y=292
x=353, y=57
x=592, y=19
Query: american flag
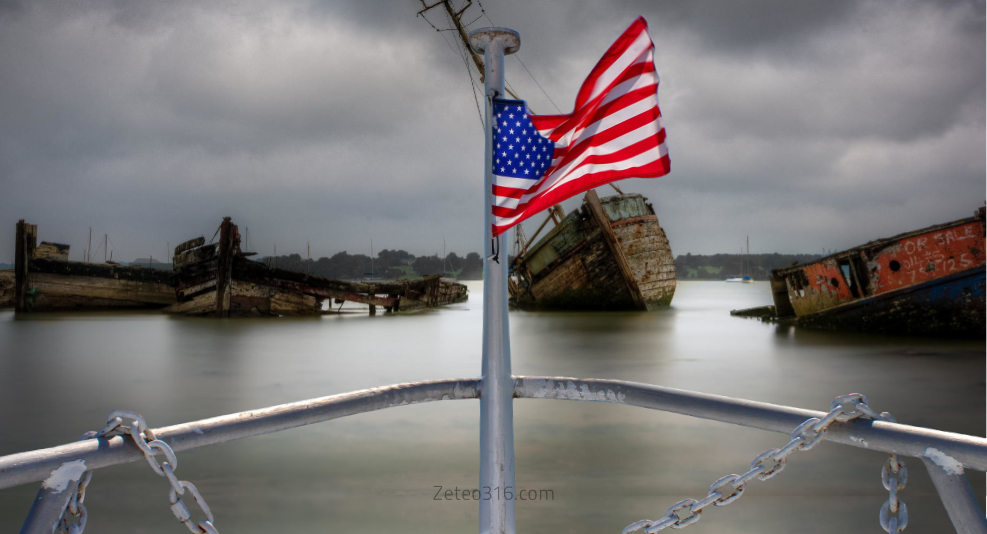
x=614, y=132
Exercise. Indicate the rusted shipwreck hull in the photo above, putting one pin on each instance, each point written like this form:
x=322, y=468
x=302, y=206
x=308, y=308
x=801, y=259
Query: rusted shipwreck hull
x=219, y=279
x=44, y=280
x=926, y=282
x=611, y=254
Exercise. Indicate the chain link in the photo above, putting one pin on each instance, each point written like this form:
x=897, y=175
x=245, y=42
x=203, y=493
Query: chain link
x=894, y=475
x=139, y=432
x=771, y=463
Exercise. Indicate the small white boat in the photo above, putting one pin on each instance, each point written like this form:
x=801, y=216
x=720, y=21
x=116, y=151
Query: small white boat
x=743, y=278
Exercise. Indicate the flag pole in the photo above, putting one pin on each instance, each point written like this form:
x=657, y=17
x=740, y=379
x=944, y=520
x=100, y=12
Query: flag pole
x=497, y=386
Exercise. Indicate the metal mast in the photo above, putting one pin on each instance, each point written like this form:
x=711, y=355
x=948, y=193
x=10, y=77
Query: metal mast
x=497, y=386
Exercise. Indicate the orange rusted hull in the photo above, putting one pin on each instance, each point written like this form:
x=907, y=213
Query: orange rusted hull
x=926, y=282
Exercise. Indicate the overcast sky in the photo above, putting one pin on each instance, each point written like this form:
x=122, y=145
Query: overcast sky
x=805, y=125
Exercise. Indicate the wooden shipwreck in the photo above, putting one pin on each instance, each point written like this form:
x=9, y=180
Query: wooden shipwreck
x=926, y=282
x=611, y=254
x=219, y=279
x=44, y=279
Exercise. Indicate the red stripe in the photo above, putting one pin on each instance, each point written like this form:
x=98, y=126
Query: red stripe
x=617, y=49
x=509, y=192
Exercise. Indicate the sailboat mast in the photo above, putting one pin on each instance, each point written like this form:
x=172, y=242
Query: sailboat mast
x=461, y=30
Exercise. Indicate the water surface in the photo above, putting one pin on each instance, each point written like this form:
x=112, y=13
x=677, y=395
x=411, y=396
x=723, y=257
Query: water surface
x=604, y=465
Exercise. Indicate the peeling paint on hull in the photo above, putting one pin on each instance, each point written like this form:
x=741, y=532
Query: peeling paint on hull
x=928, y=282
x=611, y=254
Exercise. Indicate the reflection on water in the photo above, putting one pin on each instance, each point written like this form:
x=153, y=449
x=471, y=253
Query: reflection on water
x=605, y=465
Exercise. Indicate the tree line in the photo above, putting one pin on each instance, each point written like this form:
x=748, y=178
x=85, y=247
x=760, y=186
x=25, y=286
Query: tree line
x=389, y=264
x=721, y=266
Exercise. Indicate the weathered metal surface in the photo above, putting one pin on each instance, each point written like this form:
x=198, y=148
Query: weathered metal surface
x=573, y=267
x=957, y=496
x=926, y=256
x=53, y=497
x=926, y=282
x=496, y=405
x=35, y=466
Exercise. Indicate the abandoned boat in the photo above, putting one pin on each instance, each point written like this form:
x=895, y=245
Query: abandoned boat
x=219, y=279
x=926, y=282
x=45, y=279
x=611, y=254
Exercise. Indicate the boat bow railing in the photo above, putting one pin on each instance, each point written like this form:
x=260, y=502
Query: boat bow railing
x=65, y=470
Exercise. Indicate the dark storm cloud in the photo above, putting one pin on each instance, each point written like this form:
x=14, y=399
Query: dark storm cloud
x=805, y=124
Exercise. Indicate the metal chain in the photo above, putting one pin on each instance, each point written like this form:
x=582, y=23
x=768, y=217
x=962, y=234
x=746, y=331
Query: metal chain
x=140, y=433
x=894, y=475
x=769, y=464
x=75, y=506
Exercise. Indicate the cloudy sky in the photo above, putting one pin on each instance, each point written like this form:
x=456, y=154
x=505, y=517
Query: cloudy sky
x=805, y=125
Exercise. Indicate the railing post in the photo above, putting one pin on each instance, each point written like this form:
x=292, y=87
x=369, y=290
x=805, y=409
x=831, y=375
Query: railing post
x=497, y=386
x=958, y=498
x=53, y=498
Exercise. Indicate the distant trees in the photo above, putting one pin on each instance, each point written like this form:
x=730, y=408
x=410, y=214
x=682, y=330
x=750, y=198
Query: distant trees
x=389, y=264
x=721, y=266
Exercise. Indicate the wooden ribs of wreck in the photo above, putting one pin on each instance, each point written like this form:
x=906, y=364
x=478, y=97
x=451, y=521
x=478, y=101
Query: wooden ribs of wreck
x=44, y=280
x=611, y=254
x=219, y=279
x=928, y=282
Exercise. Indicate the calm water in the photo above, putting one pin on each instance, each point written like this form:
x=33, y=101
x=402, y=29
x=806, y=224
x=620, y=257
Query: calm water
x=606, y=465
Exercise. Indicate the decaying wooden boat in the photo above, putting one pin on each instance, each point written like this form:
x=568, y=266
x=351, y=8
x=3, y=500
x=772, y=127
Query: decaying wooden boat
x=220, y=279
x=926, y=282
x=44, y=279
x=6, y=288
x=611, y=254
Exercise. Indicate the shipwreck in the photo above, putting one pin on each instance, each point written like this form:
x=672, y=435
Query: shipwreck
x=220, y=279
x=44, y=279
x=611, y=254
x=925, y=282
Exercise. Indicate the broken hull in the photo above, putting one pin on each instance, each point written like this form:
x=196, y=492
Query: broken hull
x=951, y=306
x=220, y=280
x=45, y=281
x=612, y=254
x=74, y=286
x=926, y=282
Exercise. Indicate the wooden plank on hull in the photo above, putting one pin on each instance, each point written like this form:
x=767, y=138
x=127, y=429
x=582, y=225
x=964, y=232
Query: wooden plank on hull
x=144, y=293
x=596, y=209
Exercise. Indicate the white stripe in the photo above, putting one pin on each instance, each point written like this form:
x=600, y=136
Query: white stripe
x=506, y=202
x=641, y=43
x=626, y=86
x=514, y=183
